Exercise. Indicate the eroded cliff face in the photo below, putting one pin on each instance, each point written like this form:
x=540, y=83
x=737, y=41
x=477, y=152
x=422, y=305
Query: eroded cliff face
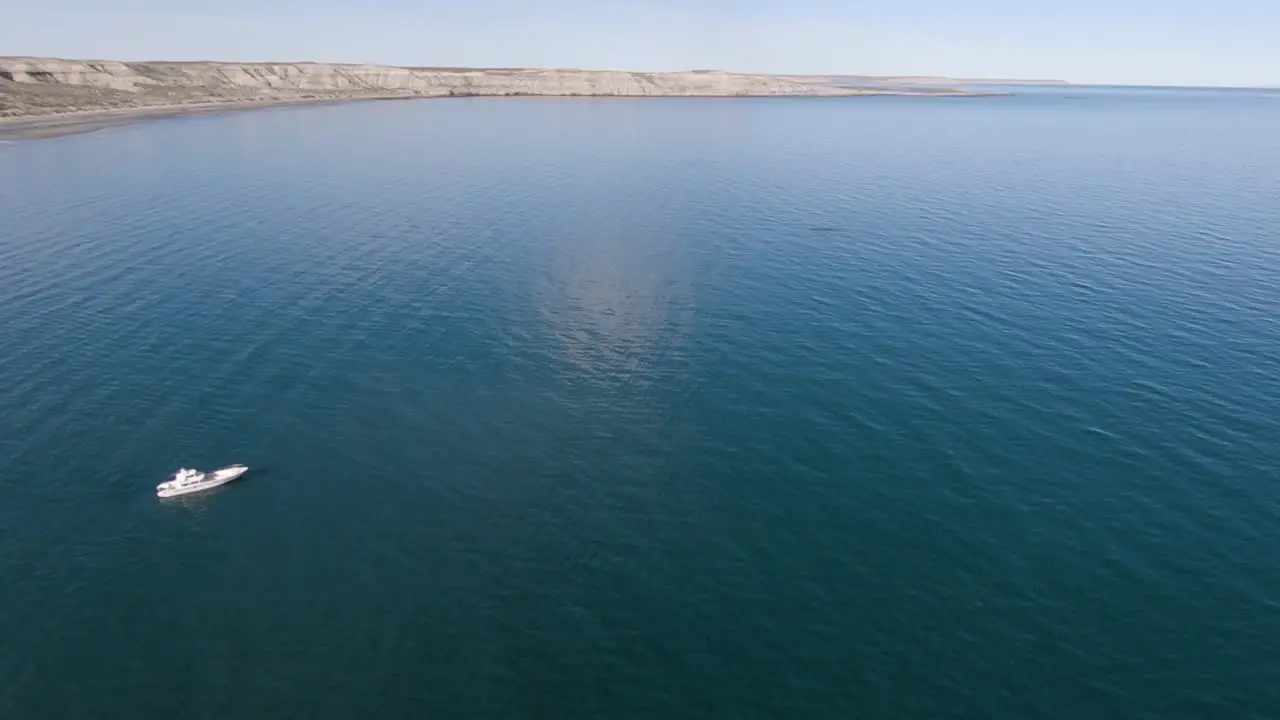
x=42, y=85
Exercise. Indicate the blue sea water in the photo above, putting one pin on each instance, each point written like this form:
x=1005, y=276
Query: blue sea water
x=876, y=408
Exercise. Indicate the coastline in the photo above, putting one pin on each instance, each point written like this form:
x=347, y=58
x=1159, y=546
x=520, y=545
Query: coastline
x=60, y=124
x=51, y=97
x=50, y=125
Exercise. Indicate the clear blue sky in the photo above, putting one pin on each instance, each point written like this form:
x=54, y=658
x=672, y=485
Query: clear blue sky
x=1198, y=42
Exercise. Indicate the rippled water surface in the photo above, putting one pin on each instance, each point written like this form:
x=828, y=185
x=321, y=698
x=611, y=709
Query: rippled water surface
x=609, y=408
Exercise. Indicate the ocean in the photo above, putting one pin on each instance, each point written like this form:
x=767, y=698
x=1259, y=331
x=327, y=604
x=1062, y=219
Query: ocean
x=564, y=408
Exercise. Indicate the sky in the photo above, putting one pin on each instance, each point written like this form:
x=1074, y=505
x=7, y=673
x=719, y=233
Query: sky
x=1157, y=42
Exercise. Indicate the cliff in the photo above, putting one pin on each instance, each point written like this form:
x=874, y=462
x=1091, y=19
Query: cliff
x=40, y=86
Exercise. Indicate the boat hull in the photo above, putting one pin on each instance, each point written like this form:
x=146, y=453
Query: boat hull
x=212, y=479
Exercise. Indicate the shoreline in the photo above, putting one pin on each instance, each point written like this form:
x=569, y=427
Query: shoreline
x=61, y=124
x=52, y=97
x=51, y=125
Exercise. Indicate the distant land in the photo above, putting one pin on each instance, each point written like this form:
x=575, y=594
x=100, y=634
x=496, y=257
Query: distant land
x=41, y=97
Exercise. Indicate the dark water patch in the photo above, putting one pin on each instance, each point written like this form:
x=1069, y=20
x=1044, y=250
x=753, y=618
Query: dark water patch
x=918, y=409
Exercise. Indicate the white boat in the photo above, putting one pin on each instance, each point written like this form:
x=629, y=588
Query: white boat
x=187, y=480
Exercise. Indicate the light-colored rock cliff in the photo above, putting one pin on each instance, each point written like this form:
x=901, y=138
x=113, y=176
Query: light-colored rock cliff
x=34, y=86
